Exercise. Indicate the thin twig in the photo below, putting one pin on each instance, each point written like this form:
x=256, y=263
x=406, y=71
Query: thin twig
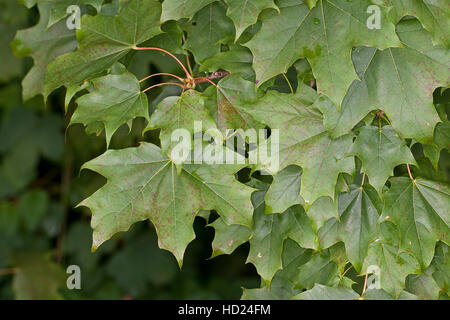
x=363, y=178
x=212, y=76
x=204, y=79
x=4, y=272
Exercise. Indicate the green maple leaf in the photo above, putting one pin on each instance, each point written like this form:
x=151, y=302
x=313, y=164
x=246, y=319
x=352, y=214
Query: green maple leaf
x=284, y=191
x=180, y=113
x=399, y=81
x=43, y=45
x=433, y=14
x=359, y=213
x=441, y=141
x=321, y=211
x=327, y=34
x=311, y=3
x=257, y=294
x=328, y=234
x=423, y=286
x=244, y=13
x=304, y=141
x=143, y=184
x=233, y=94
x=420, y=210
x=321, y=292
x=228, y=237
x=380, y=151
x=237, y=60
x=339, y=256
x=178, y=9
x=283, y=285
x=103, y=40
x=59, y=8
x=171, y=39
x=269, y=233
x=209, y=29
x=441, y=267
x=380, y=294
x=394, y=266
x=319, y=270
x=113, y=100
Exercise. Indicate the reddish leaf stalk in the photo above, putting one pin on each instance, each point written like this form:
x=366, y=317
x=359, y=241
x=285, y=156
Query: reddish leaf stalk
x=162, y=74
x=170, y=54
x=163, y=84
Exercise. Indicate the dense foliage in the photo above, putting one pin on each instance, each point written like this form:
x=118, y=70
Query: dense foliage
x=361, y=114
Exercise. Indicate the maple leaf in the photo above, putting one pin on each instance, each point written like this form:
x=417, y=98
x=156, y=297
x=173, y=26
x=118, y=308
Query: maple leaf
x=419, y=209
x=211, y=28
x=399, y=81
x=233, y=94
x=43, y=44
x=228, y=237
x=237, y=60
x=180, y=113
x=113, y=100
x=440, y=142
x=380, y=150
x=326, y=35
x=103, y=40
x=177, y=9
x=319, y=270
x=433, y=14
x=269, y=233
x=359, y=213
x=59, y=8
x=440, y=266
x=423, y=286
x=321, y=292
x=321, y=211
x=143, y=184
x=284, y=192
x=394, y=266
x=304, y=141
x=244, y=13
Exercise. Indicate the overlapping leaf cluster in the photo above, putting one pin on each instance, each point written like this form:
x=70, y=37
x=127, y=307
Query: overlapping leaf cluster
x=363, y=130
